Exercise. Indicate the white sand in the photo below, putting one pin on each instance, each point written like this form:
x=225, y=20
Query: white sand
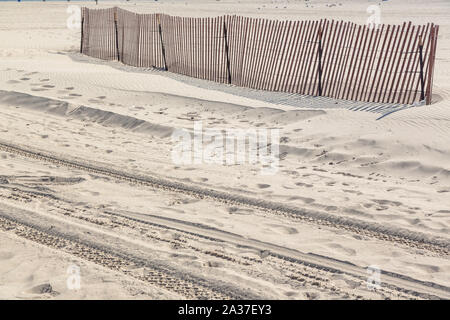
x=394, y=171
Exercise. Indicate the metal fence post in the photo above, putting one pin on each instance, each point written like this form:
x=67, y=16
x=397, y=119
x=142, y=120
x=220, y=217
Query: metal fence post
x=117, y=35
x=162, y=43
x=320, y=51
x=422, y=81
x=82, y=30
x=225, y=33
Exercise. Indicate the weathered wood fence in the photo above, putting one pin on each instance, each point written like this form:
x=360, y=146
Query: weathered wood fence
x=343, y=60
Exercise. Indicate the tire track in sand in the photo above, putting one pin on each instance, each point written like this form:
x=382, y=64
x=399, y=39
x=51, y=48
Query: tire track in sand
x=404, y=237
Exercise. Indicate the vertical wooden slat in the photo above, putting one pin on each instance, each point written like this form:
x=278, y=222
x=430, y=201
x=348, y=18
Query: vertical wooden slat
x=370, y=95
x=258, y=57
x=232, y=25
x=262, y=43
x=146, y=30
x=416, y=70
x=103, y=37
x=268, y=82
x=401, y=72
x=426, y=58
x=192, y=46
x=312, y=88
x=328, y=43
x=223, y=78
x=383, y=59
x=339, y=56
x=198, y=47
x=310, y=55
x=100, y=34
x=280, y=49
x=305, y=44
x=412, y=52
x=203, y=48
x=311, y=73
x=250, y=46
x=396, y=62
x=87, y=32
x=173, y=65
x=178, y=47
x=284, y=85
x=364, y=61
x=429, y=90
x=286, y=45
x=212, y=49
x=184, y=37
x=358, y=52
x=365, y=93
x=218, y=52
x=350, y=71
x=348, y=56
x=364, y=54
x=243, y=50
x=208, y=49
x=390, y=64
x=332, y=61
x=267, y=57
x=307, y=57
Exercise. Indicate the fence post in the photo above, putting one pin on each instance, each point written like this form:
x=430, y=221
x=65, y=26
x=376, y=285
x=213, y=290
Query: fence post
x=225, y=34
x=320, y=61
x=82, y=30
x=432, y=58
x=117, y=34
x=162, y=43
x=422, y=81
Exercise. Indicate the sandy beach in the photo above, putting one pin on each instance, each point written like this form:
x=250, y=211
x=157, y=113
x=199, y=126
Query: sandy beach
x=87, y=176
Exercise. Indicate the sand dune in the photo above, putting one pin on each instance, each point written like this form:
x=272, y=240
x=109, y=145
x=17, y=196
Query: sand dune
x=362, y=183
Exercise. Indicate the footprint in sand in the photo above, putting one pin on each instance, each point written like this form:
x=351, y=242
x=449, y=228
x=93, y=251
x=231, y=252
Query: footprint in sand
x=301, y=184
x=6, y=255
x=311, y=295
x=342, y=249
x=291, y=294
x=283, y=229
x=304, y=199
x=263, y=186
x=45, y=288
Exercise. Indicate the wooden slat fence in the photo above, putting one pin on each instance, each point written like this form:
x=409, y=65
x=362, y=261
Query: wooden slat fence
x=337, y=59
